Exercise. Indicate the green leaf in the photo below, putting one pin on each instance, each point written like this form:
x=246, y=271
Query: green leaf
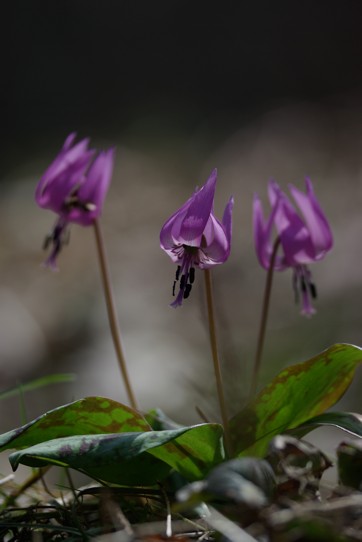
x=347, y=421
x=88, y=416
x=297, y=394
x=194, y=452
x=37, y=383
x=125, y=459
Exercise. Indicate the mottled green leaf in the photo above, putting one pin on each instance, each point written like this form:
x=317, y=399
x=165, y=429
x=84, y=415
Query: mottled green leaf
x=88, y=416
x=297, y=394
x=194, y=452
x=125, y=458
x=347, y=421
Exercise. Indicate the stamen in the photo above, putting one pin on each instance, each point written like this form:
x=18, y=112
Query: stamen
x=313, y=290
x=187, y=291
x=303, y=284
x=56, y=239
x=185, y=273
x=89, y=206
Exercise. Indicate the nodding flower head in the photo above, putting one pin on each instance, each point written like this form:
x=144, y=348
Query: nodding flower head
x=74, y=186
x=302, y=238
x=193, y=237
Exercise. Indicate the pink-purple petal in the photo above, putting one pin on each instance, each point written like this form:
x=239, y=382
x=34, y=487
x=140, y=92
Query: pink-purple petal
x=65, y=172
x=263, y=231
x=92, y=192
x=170, y=232
x=198, y=213
x=315, y=220
x=215, y=248
x=68, y=158
x=69, y=141
x=294, y=236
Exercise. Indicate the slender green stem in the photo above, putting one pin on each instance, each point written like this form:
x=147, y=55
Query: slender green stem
x=112, y=314
x=264, y=317
x=215, y=357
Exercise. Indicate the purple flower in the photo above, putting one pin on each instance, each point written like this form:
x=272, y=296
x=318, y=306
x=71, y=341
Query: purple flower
x=74, y=186
x=304, y=238
x=194, y=237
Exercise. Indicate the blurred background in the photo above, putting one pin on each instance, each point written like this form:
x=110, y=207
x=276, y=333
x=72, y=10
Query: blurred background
x=257, y=89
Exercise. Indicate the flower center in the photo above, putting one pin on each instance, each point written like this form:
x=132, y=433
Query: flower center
x=73, y=201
